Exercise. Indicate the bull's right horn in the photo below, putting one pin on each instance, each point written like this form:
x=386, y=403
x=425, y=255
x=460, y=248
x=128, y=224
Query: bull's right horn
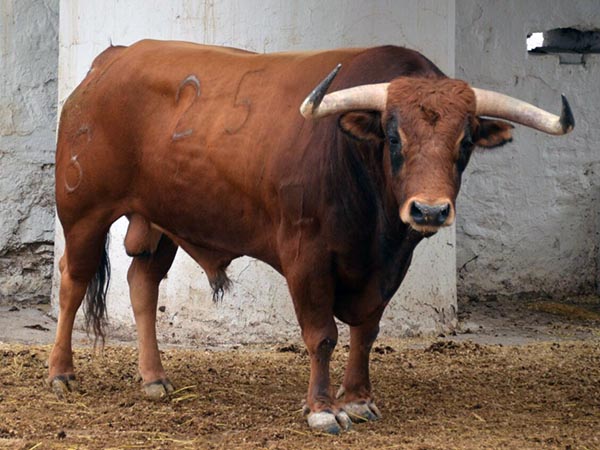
x=494, y=104
x=372, y=97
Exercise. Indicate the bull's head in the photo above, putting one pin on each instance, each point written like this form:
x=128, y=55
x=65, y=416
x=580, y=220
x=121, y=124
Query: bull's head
x=429, y=127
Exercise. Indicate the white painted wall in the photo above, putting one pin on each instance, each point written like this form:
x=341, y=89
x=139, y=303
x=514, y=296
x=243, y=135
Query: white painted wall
x=259, y=308
x=528, y=214
x=28, y=86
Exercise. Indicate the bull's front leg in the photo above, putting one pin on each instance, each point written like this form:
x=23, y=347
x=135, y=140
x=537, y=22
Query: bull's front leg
x=321, y=411
x=313, y=302
x=355, y=393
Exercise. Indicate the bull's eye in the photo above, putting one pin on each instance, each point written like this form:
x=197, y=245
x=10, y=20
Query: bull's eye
x=396, y=152
x=464, y=152
x=395, y=144
x=467, y=141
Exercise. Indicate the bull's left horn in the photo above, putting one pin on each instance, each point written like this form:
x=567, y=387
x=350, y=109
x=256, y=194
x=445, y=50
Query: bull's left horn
x=371, y=97
x=494, y=104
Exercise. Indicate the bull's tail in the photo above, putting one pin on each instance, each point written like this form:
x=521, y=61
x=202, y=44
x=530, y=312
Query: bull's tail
x=96, y=317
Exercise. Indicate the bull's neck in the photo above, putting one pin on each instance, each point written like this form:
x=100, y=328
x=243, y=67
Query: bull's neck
x=396, y=240
x=365, y=213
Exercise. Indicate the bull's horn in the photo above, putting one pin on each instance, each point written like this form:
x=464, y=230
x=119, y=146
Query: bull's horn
x=494, y=104
x=366, y=97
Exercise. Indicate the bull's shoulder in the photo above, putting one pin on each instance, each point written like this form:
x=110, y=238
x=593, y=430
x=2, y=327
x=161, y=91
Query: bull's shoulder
x=384, y=63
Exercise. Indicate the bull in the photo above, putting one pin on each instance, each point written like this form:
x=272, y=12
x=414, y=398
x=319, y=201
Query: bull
x=203, y=148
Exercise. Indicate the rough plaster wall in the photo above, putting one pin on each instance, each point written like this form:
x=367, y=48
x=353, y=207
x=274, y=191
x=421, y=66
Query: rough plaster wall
x=528, y=212
x=28, y=90
x=258, y=308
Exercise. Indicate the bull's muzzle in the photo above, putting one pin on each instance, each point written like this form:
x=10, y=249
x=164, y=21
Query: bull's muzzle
x=429, y=215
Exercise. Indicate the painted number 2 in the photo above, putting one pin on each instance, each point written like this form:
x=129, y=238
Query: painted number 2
x=195, y=83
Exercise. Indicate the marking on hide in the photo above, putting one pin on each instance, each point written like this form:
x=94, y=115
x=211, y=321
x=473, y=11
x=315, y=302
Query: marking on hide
x=241, y=102
x=74, y=162
x=292, y=207
x=186, y=133
x=195, y=83
x=298, y=222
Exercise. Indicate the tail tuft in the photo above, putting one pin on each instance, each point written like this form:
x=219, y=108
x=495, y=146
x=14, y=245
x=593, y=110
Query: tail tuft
x=96, y=317
x=219, y=284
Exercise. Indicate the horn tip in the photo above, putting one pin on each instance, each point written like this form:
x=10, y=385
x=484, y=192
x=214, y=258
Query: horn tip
x=312, y=102
x=306, y=108
x=567, y=121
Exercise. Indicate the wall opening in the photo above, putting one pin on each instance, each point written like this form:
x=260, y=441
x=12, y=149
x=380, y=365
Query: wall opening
x=569, y=44
x=535, y=41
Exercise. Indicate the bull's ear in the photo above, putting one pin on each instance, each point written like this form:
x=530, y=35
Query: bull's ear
x=493, y=133
x=362, y=125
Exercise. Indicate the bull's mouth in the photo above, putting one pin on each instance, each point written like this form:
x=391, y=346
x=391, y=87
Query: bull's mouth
x=424, y=230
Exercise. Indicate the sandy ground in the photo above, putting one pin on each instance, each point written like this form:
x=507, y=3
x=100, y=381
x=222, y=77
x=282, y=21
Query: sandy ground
x=518, y=374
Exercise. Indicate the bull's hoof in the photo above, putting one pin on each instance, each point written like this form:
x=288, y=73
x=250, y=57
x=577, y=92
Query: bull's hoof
x=61, y=385
x=328, y=422
x=362, y=411
x=159, y=389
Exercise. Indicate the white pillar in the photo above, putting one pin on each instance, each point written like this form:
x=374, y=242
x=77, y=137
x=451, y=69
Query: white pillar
x=258, y=308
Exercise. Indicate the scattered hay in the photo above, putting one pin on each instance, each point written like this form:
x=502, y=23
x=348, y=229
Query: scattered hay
x=447, y=395
x=571, y=312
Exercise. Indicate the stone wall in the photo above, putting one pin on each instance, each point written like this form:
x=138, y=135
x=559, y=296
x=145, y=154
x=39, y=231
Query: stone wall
x=528, y=212
x=28, y=100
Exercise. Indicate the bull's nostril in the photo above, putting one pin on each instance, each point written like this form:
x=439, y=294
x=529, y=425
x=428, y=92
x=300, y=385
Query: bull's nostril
x=416, y=213
x=443, y=214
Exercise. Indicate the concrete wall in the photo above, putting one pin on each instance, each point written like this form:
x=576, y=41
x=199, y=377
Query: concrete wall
x=528, y=212
x=28, y=90
x=258, y=308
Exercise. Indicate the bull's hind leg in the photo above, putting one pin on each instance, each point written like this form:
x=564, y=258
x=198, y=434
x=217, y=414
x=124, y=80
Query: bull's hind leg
x=145, y=274
x=84, y=258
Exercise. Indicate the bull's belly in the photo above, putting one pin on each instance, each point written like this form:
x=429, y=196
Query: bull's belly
x=211, y=236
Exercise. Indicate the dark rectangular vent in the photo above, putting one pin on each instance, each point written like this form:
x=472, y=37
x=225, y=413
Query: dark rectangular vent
x=569, y=44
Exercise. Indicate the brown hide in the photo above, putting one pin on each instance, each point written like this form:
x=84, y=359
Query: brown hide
x=205, y=161
x=206, y=143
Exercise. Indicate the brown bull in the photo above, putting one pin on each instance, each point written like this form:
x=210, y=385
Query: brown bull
x=204, y=148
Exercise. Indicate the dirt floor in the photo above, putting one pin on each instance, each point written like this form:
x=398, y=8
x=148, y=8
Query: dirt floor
x=518, y=374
